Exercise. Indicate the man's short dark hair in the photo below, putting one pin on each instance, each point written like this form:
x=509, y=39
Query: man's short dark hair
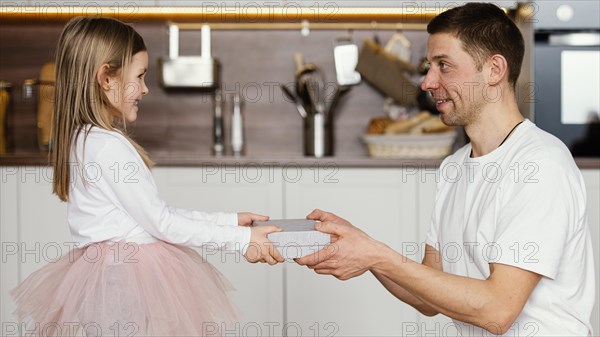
x=484, y=30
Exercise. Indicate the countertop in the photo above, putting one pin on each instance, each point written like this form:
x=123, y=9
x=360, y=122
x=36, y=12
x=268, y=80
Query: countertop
x=187, y=159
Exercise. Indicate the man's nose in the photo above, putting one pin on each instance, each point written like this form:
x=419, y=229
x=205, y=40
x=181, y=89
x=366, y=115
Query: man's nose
x=430, y=81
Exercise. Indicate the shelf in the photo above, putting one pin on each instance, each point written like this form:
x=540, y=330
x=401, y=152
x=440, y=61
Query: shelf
x=255, y=16
x=249, y=17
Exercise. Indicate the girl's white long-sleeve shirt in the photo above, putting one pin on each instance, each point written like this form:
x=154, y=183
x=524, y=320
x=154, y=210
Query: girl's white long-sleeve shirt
x=113, y=197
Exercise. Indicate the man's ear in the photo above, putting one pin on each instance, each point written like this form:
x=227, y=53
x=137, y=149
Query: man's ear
x=103, y=77
x=498, y=69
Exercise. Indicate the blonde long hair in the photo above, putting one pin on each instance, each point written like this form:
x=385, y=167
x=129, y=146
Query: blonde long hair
x=84, y=45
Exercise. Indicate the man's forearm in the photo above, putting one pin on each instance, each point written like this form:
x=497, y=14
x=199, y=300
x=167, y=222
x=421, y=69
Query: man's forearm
x=405, y=296
x=483, y=303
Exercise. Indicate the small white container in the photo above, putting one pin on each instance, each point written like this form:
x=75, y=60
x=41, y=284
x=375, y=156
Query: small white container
x=345, y=56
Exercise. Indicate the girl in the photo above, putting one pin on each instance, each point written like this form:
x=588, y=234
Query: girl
x=133, y=274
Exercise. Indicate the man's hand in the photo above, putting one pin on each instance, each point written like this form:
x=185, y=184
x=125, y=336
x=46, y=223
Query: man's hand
x=351, y=252
x=246, y=218
x=260, y=248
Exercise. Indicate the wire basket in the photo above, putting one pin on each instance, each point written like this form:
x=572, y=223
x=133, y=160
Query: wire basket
x=422, y=146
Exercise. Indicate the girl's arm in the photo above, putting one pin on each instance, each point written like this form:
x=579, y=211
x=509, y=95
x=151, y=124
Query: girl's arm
x=136, y=196
x=221, y=218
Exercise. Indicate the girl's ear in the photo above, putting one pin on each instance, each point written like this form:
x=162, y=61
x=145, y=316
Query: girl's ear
x=103, y=77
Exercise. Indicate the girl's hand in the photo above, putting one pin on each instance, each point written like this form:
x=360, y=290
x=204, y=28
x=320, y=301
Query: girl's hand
x=260, y=248
x=246, y=218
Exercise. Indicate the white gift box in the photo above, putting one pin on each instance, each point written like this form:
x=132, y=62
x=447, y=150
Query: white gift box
x=298, y=237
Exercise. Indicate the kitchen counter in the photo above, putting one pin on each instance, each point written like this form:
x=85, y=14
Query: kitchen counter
x=187, y=159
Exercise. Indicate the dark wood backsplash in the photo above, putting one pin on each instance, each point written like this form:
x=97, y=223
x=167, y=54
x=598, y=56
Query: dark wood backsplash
x=253, y=63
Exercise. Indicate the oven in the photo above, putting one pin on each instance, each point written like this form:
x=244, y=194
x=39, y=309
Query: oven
x=567, y=73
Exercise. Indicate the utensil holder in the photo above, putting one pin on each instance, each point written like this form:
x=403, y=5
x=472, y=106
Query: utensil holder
x=318, y=136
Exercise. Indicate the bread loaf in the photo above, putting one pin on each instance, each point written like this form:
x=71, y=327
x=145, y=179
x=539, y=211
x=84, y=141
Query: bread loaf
x=433, y=124
x=423, y=122
x=404, y=126
x=377, y=125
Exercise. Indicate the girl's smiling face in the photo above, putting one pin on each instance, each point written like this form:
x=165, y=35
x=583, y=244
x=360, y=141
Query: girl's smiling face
x=126, y=96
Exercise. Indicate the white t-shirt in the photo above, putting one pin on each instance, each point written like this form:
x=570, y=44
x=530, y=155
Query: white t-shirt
x=113, y=197
x=524, y=205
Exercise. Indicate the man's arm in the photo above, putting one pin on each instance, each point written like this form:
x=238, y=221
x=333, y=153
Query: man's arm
x=492, y=304
x=431, y=259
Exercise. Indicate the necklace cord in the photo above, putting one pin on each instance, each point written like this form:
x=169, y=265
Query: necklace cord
x=505, y=138
x=510, y=133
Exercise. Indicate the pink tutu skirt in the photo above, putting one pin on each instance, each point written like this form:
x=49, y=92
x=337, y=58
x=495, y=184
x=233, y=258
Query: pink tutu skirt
x=125, y=289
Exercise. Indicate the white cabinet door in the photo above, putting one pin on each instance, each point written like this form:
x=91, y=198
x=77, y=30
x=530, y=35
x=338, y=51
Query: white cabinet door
x=383, y=205
x=9, y=240
x=36, y=221
x=43, y=228
x=592, y=184
x=438, y=325
x=248, y=188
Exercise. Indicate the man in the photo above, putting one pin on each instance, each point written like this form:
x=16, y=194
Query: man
x=515, y=203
